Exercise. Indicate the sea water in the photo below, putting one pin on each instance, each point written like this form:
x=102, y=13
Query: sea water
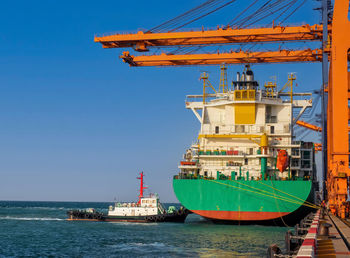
x=40, y=229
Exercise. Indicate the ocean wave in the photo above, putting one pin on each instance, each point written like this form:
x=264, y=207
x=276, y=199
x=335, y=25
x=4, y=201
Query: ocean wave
x=28, y=218
x=154, y=244
x=34, y=208
x=138, y=224
x=137, y=245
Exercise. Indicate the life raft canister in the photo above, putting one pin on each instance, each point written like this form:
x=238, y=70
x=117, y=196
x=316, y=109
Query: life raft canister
x=282, y=160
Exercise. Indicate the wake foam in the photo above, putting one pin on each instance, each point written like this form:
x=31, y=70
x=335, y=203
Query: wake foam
x=28, y=218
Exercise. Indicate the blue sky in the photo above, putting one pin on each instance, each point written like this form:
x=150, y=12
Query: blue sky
x=78, y=124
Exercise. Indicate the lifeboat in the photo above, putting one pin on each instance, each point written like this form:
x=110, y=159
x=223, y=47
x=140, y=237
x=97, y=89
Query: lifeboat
x=282, y=160
x=187, y=163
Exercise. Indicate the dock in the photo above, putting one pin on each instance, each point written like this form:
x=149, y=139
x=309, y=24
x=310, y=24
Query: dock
x=318, y=243
x=320, y=235
x=337, y=244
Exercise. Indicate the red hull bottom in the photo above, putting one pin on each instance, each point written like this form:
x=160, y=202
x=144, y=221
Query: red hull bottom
x=240, y=215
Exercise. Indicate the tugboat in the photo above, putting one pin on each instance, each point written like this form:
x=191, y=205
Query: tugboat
x=147, y=209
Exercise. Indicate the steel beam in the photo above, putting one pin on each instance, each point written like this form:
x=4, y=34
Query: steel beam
x=140, y=41
x=281, y=56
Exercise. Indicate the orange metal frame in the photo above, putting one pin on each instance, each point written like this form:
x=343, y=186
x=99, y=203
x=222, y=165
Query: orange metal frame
x=141, y=41
x=281, y=56
x=339, y=82
x=309, y=126
x=318, y=147
x=338, y=136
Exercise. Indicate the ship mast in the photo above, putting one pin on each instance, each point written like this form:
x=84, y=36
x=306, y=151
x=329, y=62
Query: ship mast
x=141, y=187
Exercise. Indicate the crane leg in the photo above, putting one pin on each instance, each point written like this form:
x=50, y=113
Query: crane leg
x=338, y=137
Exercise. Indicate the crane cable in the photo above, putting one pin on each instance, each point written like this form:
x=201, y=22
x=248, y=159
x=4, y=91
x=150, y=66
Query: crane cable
x=211, y=6
x=302, y=3
x=265, y=6
x=267, y=9
x=167, y=23
x=191, y=14
x=238, y=15
x=216, y=9
x=286, y=9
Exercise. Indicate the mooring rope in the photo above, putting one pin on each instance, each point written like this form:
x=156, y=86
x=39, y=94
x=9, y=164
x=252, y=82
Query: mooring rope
x=255, y=192
x=278, y=208
x=316, y=206
x=261, y=190
x=278, y=195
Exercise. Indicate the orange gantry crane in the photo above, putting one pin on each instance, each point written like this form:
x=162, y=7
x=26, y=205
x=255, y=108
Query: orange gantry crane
x=142, y=41
x=334, y=54
x=338, y=109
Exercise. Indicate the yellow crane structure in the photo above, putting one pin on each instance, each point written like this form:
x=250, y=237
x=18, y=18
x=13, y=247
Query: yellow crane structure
x=334, y=54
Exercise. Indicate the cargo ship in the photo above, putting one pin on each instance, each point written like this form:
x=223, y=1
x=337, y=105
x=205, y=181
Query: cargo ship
x=146, y=209
x=246, y=166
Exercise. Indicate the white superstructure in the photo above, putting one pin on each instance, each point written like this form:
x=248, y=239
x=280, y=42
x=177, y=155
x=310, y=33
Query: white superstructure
x=233, y=122
x=147, y=206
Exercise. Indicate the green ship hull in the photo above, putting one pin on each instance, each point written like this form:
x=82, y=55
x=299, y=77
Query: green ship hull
x=245, y=201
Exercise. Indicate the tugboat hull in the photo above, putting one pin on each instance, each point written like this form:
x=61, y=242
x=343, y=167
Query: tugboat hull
x=177, y=216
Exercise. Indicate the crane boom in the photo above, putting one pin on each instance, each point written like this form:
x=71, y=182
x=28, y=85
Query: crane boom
x=309, y=126
x=281, y=56
x=140, y=41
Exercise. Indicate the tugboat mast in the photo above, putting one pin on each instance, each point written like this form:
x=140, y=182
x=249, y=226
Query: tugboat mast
x=141, y=187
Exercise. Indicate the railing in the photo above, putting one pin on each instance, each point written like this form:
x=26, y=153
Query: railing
x=239, y=129
x=161, y=208
x=244, y=95
x=224, y=177
x=239, y=151
x=199, y=98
